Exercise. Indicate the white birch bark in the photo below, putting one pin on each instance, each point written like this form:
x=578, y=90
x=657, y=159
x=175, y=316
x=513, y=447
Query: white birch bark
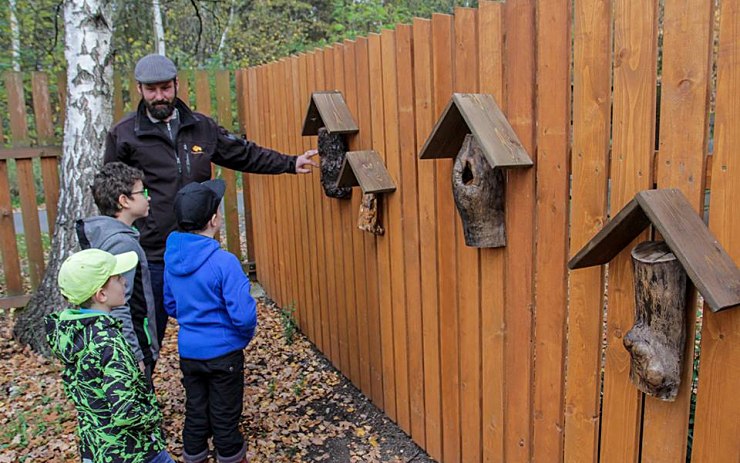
x=225, y=33
x=15, y=37
x=88, y=27
x=158, y=28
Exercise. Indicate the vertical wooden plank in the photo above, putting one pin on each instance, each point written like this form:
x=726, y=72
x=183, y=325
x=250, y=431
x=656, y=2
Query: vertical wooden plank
x=551, y=235
x=118, y=108
x=284, y=187
x=323, y=221
x=394, y=230
x=271, y=261
x=276, y=193
x=684, y=121
x=410, y=215
x=301, y=228
x=345, y=279
x=442, y=67
x=424, y=118
x=468, y=263
x=243, y=99
x=297, y=259
x=24, y=171
x=589, y=171
x=202, y=92
x=490, y=65
x=365, y=121
x=183, y=86
x=717, y=406
x=225, y=119
x=635, y=44
x=8, y=245
x=347, y=212
x=519, y=75
x=357, y=320
x=311, y=266
x=62, y=90
x=45, y=136
x=377, y=99
x=331, y=235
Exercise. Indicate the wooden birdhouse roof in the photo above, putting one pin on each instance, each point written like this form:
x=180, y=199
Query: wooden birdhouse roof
x=328, y=109
x=710, y=268
x=475, y=113
x=366, y=169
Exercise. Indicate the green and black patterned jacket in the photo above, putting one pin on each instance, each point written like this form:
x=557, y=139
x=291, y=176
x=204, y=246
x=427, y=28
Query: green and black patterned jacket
x=117, y=414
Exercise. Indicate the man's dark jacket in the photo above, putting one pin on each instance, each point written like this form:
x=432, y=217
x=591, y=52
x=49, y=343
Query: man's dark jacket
x=168, y=165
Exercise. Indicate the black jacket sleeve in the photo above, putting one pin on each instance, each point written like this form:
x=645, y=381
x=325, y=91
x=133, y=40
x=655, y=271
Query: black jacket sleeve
x=246, y=156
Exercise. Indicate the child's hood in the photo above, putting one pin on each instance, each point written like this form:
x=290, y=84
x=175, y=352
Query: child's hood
x=187, y=252
x=99, y=229
x=71, y=331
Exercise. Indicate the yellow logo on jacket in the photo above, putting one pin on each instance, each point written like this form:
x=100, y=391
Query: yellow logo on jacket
x=197, y=149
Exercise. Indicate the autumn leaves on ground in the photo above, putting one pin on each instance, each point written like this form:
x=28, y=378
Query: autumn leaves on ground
x=296, y=407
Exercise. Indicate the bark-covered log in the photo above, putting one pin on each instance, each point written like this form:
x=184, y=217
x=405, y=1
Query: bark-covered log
x=656, y=341
x=333, y=150
x=369, y=219
x=88, y=29
x=479, y=191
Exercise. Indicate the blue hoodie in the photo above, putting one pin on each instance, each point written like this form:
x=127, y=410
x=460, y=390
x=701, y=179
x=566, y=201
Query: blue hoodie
x=206, y=290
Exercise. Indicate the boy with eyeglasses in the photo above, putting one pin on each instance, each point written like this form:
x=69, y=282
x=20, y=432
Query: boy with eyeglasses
x=119, y=193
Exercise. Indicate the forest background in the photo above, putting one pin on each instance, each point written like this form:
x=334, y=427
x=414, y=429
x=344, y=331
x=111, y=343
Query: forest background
x=205, y=34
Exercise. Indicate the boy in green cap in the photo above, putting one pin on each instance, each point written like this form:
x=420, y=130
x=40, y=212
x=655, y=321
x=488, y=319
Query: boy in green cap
x=118, y=419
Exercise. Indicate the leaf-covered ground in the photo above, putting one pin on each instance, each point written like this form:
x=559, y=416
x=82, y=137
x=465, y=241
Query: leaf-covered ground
x=296, y=406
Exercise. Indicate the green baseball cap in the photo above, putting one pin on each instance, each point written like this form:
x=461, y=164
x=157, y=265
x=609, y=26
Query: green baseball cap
x=85, y=272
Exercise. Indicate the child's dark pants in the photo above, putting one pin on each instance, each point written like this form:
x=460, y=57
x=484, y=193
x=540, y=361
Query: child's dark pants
x=213, y=404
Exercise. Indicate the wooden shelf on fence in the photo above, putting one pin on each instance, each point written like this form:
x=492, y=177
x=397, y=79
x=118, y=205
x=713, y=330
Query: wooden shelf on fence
x=475, y=113
x=366, y=170
x=711, y=269
x=328, y=109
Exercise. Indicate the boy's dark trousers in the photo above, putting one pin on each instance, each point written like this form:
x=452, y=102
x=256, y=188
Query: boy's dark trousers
x=214, y=392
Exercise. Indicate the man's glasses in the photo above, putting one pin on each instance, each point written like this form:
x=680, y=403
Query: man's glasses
x=144, y=192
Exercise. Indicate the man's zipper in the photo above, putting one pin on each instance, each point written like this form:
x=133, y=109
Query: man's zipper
x=187, y=157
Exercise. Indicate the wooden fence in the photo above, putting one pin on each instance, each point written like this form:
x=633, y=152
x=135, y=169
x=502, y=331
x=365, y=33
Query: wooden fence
x=496, y=354
x=499, y=354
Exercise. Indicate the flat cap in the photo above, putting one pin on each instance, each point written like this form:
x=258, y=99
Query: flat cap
x=154, y=68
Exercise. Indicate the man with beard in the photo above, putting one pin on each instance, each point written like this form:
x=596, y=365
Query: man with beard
x=175, y=146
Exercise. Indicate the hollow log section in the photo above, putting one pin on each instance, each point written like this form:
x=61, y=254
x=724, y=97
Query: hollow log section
x=332, y=150
x=656, y=341
x=479, y=192
x=369, y=218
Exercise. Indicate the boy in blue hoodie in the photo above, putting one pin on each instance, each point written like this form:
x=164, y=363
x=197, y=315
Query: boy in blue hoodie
x=206, y=290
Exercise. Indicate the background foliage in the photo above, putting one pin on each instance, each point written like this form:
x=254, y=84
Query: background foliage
x=212, y=33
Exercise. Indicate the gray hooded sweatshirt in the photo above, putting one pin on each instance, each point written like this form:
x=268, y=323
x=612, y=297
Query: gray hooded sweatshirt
x=138, y=315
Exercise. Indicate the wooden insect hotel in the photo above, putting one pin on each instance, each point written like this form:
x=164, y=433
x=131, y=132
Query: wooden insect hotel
x=473, y=130
x=656, y=341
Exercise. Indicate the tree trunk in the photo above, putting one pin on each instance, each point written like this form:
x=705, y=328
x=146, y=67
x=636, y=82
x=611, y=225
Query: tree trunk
x=88, y=29
x=656, y=342
x=158, y=28
x=479, y=192
x=15, y=36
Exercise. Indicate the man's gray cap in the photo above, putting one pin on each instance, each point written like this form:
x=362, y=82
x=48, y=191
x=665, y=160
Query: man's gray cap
x=154, y=68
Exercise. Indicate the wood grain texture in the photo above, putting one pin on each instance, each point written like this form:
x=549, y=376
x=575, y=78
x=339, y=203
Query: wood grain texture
x=426, y=181
x=366, y=170
x=490, y=76
x=633, y=135
x=717, y=406
x=589, y=172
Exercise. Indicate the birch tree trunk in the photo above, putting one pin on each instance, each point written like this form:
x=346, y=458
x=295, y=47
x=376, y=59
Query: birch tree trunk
x=88, y=26
x=15, y=36
x=158, y=28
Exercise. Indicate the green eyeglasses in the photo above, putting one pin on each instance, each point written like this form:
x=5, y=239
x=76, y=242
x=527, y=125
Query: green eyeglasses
x=144, y=192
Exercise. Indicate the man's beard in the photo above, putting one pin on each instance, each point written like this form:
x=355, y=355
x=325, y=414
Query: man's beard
x=161, y=109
